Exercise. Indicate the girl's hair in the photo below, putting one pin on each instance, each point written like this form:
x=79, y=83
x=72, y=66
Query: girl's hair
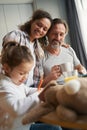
x=38, y=14
x=14, y=54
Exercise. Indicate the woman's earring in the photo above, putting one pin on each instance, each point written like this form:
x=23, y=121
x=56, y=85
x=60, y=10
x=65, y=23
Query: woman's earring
x=46, y=41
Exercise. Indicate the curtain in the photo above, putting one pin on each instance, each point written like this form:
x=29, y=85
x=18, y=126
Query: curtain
x=75, y=32
x=81, y=6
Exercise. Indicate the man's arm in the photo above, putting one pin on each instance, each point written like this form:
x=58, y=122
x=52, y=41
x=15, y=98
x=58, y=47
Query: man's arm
x=81, y=69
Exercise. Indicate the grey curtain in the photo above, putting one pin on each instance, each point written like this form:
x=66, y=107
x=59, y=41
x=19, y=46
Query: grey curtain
x=75, y=32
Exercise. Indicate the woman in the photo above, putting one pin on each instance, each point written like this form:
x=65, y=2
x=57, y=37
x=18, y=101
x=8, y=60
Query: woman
x=28, y=35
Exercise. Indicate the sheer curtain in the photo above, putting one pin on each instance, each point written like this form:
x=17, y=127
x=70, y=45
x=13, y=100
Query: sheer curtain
x=81, y=6
x=75, y=30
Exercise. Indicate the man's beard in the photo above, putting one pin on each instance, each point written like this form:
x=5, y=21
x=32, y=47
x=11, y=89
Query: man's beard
x=56, y=45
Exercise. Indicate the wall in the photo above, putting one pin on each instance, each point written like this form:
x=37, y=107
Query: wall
x=55, y=7
x=11, y=15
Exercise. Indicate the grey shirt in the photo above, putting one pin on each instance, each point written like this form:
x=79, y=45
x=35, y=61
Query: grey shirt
x=66, y=55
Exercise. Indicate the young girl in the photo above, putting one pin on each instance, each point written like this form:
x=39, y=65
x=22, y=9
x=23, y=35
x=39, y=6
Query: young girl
x=16, y=98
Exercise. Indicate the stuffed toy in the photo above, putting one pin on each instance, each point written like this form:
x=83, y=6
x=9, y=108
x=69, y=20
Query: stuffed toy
x=41, y=109
x=68, y=100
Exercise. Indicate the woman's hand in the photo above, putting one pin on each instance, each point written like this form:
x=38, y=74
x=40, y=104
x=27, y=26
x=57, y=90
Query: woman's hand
x=66, y=45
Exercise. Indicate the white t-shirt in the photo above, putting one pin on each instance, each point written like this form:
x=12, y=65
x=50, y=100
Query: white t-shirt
x=16, y=100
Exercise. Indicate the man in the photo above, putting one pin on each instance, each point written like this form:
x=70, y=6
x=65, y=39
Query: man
x=56, y=54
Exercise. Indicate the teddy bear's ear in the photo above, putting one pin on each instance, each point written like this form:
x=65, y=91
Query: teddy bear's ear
x=72, y=87
x=52, y=83
x=50, y=96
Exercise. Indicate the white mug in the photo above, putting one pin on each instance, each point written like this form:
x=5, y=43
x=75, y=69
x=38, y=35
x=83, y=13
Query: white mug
x=66, y=67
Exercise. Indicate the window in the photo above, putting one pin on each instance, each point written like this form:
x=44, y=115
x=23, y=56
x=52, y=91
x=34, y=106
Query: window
x=81, y=6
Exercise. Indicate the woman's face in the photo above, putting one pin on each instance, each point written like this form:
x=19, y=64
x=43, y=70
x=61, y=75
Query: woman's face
x=19, y=73
x=39, y=28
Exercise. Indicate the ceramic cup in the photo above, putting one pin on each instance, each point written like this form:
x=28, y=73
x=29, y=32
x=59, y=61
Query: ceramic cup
x=66, y=67
x=68, y=70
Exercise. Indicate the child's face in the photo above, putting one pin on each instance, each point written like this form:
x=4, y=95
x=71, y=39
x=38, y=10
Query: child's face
x=20, y=73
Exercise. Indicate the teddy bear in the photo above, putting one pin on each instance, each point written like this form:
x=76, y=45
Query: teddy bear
x=68, y=100
x=41, y=109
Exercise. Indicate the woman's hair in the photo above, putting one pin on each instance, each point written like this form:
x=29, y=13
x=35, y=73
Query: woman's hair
x=59, y=21
x=38, y=14
x=14, y=54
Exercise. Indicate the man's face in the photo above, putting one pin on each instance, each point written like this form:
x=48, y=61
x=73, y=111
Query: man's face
x=57, y=35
